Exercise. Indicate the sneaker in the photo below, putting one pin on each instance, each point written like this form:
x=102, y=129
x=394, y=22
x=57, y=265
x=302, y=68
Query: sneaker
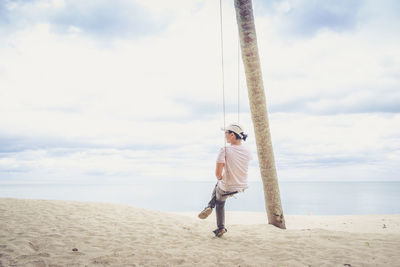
x=205, y=213
x=220, y=232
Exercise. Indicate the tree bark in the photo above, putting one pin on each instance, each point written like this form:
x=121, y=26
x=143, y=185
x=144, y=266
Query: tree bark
x=258, y=106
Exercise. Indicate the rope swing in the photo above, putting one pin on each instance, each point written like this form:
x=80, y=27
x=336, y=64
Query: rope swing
x=223, y=69
x=223, y=75
x=222, y=61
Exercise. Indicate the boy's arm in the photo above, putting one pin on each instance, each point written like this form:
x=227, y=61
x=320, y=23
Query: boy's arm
x=218, y=170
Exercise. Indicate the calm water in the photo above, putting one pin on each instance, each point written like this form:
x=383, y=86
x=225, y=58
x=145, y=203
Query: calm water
x=319, y=198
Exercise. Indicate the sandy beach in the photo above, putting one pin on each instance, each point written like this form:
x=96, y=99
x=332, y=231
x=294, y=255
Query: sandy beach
x=68, y=233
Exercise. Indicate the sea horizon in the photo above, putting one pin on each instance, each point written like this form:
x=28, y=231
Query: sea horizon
x=298, y=198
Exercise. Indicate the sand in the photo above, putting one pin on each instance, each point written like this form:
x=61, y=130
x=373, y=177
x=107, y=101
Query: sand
x=45, y=232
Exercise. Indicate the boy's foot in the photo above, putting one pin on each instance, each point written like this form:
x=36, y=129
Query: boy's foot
x=220, y=232
x=205, y=213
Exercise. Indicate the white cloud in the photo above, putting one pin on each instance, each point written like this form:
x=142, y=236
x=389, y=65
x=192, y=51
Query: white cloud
x=331, y=73
x=73, y=105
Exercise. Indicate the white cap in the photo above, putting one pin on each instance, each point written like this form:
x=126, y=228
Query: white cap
x=236, y=128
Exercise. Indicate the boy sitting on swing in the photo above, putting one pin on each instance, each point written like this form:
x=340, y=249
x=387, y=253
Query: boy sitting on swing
x=231, y=172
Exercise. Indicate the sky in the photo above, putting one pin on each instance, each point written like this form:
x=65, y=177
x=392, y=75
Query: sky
x=127, y=91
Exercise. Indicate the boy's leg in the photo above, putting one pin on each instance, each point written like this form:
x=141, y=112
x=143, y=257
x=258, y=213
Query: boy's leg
x=208, y=210
x=212, y=202
x=220, y=208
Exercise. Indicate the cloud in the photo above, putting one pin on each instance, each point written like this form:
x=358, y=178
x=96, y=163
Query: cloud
x=350, y=146
x=307, y=18
x=102, y=20
x=123, y=19
x=352, y=102
x=151, y=108
x=127, y=164
x=3, y=12
x=332, y=72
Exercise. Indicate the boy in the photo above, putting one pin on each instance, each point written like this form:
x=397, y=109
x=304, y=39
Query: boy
x=231, y=172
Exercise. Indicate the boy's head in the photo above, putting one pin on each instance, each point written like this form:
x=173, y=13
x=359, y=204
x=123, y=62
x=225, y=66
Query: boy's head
x=237, y=131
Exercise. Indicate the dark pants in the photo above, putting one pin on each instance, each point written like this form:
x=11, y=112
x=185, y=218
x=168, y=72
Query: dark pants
x=218, y=198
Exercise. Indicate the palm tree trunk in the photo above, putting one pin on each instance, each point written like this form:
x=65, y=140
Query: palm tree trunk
x=251, y=61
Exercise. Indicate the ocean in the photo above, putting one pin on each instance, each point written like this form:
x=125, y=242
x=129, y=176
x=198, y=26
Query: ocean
x=298, y=198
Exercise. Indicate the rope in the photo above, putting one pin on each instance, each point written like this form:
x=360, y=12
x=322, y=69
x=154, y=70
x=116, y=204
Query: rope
x=238, y=81
x=222, y=61
x=223, y=69
x=223, y=75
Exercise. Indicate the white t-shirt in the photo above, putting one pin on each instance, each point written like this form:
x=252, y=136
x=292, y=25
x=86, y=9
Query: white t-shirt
x=234, y=177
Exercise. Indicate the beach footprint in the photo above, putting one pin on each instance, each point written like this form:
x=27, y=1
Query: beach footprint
x=33, y=246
